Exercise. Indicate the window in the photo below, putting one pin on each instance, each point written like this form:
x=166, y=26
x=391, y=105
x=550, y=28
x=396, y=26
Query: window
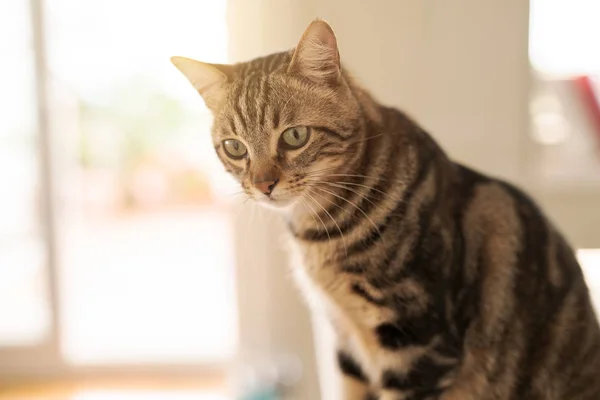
x=590, y=262
x=563, y=36
x=24, y=309
x=565, y=106
x=146, y=245
x=142, y=228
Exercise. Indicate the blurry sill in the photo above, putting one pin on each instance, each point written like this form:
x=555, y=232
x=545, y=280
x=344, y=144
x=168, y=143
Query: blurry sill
x=27, y=371
x=49, y=388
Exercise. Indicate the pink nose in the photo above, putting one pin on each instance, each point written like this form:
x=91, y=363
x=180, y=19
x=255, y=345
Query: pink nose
x=266, y=187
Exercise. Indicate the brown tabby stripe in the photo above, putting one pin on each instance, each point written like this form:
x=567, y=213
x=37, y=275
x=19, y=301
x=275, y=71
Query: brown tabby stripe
x=249, y=95
x=263, y=96
x=465, y=295
x=360, y=291
x=349, y=367
x=374, y=235
x=238, y=115
x=330, y=132
x=422, y=380
x=232, y=128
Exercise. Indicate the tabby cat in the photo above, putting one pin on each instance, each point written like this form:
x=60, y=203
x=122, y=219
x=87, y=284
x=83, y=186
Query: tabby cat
x=440, y=282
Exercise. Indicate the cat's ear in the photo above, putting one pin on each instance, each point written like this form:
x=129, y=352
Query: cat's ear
x=317, y=57
x=208, y=79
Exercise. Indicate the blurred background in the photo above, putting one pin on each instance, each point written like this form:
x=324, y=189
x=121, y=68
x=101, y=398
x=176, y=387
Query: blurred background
x=130, y=269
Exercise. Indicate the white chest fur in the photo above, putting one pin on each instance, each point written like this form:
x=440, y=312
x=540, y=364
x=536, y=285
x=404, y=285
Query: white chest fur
x=354, y=319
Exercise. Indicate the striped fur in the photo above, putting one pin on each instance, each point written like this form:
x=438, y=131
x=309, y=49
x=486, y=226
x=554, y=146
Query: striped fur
x=441, y=282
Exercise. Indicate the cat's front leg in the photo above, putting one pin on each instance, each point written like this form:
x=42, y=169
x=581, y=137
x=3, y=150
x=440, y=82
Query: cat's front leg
x=354, y=384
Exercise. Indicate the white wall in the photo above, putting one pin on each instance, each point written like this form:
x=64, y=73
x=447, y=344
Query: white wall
x=460, y=67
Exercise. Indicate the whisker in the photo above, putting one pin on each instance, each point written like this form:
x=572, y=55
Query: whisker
x=321, y=219
x=362, y=195
x=368, y=138
x=249, y=224
x=368, y=187
x=355, y=192
x=366, y=177
x=313, y=173
x=318, y=171
x=313, y=185
x=243, y=209
x=332, y=219
x=311, y=214
x=353, y=205
x=239, y=211
x=365, y=195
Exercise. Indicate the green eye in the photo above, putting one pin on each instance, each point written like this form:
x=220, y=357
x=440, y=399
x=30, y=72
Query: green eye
x=294, y=138
x=234, y=148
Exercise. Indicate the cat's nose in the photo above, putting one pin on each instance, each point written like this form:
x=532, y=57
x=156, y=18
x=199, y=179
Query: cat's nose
x=266, y=186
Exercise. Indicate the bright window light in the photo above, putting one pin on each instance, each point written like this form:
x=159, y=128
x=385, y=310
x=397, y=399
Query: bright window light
x=564, y=36
x=146, y=256
x=590, y=262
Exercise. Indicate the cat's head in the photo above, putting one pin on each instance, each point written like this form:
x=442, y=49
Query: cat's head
x=283, y=121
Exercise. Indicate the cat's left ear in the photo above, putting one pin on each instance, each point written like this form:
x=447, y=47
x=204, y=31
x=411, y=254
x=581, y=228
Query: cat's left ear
x=208, y=79
x=317, y=57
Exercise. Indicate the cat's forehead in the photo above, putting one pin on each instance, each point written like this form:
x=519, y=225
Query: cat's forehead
x=253, y=108
x=258, y=105
x=266, y=65
x=263, y=99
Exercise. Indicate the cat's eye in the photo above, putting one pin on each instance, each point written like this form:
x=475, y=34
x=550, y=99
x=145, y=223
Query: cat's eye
x=234, y=148
x=294, y=138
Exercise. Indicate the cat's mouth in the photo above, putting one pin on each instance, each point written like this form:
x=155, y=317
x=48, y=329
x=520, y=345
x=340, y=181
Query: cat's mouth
x=276, y=200
x=277, y=195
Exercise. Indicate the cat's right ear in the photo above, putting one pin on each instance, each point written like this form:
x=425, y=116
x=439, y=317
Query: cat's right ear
x=317, y=57
x=208, y=79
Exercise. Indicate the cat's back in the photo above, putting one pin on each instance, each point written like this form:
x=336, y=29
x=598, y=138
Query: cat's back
x=532, y=301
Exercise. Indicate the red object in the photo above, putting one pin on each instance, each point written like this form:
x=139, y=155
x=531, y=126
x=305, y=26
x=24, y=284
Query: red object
x=590, y=94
